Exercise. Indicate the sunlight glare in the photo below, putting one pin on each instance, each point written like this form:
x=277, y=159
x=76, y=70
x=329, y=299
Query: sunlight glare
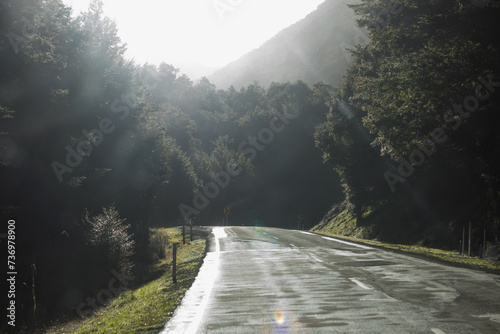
x=192, y=32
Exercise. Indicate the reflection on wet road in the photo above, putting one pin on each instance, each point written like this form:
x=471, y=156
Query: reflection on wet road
x=267, y=280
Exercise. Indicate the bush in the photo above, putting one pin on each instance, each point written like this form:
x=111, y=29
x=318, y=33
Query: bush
x=108, y=234
x=493, y=252
x=157, y=246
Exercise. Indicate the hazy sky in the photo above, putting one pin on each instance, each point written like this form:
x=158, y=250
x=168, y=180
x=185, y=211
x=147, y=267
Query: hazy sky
x=203, y=32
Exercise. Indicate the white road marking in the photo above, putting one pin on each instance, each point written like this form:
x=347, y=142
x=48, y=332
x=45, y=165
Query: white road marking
x=218, y=233
x=269, y=234
x=437, y=331
x=364, y=286
x=390, y=298
x=188, y=316
x=339, y=252
x=347, y=243
x=314, y=257
x=260, y=250
x=293, y=245
x=307, y=233
x=492, y=317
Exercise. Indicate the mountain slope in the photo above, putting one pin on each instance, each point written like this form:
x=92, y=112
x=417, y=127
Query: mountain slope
x=311, y=50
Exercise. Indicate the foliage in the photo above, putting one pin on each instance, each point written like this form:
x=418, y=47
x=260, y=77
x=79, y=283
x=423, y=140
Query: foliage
x=81, y=127
x=108, y=233
x=145, y=308
x=424, y=62
x=149, y=139
x=158, y=243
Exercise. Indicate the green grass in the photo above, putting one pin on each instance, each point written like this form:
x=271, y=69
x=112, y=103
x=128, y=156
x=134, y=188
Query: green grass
x=343, y=224
x=147, y=308
x=452, y=257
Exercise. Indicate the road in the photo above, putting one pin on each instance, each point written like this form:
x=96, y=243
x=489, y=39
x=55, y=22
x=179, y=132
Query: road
x=268, y=280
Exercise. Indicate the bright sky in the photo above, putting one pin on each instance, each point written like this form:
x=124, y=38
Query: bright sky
x=206, y=33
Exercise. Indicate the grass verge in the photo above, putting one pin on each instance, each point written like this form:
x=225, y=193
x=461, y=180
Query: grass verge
x=451, y=257
x=147, y=308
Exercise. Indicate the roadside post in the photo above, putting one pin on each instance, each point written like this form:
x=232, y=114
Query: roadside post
x=226, y=216
x=174, y=262
x=484, y=245
x=184, y=232
x=191, y=229
x=463, y=242
x=470, y=236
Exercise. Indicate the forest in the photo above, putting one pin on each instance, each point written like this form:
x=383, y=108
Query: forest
x=96, y=149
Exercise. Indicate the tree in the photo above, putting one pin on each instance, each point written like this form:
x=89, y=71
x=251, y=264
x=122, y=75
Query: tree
x=108, y=233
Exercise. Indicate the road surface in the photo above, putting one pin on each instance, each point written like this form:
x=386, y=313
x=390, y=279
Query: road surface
x=268, y=280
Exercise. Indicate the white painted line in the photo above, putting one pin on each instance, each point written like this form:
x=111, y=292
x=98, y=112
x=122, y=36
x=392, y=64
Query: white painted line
x=218, y=233
x=307, y=233
x=366, y=287
x=389, y=297
x=272, y=236
x=314, y=257
x=188, y=316
x=437, y=331
x=492, y=317
x=347, y=243
x=339, y=252
x=293, y=245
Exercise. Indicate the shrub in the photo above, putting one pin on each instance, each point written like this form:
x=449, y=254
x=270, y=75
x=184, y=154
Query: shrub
x=157, y=246
x=108, y=234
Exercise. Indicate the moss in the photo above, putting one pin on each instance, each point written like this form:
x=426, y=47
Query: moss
x=343, y=224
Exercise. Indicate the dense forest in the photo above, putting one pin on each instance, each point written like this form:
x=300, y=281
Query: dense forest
x=411, y=129
x=95, y=149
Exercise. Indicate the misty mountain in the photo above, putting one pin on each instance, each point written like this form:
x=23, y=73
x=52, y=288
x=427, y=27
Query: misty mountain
x=194, y=71
x=311, y=50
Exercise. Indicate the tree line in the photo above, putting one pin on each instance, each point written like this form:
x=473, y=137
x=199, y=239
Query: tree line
x=411, y=129
x=96, y=149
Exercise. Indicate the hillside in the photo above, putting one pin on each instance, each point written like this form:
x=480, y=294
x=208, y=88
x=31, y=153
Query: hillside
x=311, y=50
x=411, y=129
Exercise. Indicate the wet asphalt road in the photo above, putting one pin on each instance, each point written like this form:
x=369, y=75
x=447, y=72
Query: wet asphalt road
x=268, y=280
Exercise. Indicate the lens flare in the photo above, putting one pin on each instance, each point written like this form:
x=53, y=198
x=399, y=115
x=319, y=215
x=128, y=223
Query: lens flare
x=279, y=316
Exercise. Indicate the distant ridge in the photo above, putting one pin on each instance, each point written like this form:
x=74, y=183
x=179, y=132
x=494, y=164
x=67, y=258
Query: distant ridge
x=310, y=50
